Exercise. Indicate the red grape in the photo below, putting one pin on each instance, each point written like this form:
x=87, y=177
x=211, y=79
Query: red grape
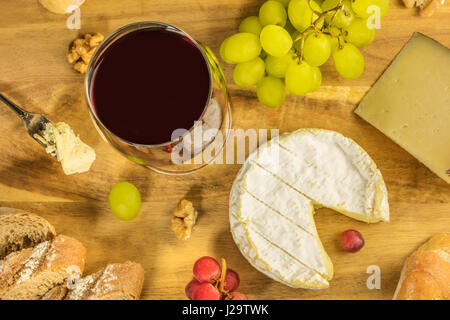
x=352, y=241
x=236, y=296
x=191, y=287
x=231, y=280
x=207, y=269
x=206, y=291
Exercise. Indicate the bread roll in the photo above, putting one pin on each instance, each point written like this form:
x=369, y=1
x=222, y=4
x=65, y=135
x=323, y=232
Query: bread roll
x=426, y=273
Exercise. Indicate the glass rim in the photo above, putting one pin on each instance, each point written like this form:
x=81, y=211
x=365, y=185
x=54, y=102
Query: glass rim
x=111, y=38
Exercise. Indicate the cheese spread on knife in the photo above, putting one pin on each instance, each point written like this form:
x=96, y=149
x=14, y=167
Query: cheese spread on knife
x=74, y=155
x=273, y=198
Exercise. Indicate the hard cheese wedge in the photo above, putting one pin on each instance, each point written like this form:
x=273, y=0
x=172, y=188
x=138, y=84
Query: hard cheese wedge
x=410, y=103
x=273, y=198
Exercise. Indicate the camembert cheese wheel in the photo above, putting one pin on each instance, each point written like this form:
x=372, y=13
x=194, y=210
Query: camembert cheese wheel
x=273, y=198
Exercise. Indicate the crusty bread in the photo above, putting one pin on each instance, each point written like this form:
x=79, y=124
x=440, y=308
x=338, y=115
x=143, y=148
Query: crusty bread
x=50, y=264
x=117, y=281
x=426, y=273
x=20, y=230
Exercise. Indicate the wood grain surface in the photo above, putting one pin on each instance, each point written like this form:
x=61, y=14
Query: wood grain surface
x=35, y=74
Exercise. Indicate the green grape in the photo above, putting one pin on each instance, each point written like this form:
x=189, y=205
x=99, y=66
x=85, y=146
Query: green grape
x=361, y=7
x=248, y=73
x=125, y=201
x=302, y=78
x=251, y=25
x=285, y=3
x=240, y=47
x=349, y=61
x=343, y=17
x=301, y=15
x=271, y=92
x=358, y=33
x=275, y=40
x=333, y=37
x=272, y=12
x=317, y=49
x=222, y=52
x=277, y=66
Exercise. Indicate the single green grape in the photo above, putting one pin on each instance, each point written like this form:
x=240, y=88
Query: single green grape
x=125, y=201
x=301, y=15
x=343, y=17
x=362, y=8
x=358, y=33
x=317, y=49
x=349, y=61
x=240, y=47
x=285, y=3
x=271, y=92
x=222, y=52
x=275, y=40
x=302, y=78
x=272, y=12
x=250, y=25
x=248, y=73
x=277, y=66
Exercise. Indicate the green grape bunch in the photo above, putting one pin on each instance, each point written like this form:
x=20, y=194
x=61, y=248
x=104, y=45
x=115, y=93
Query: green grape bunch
x=281, y=49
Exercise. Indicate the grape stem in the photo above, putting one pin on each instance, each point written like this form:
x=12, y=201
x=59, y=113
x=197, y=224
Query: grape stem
x=341, y=7
x=222, y=277
x=313, y=26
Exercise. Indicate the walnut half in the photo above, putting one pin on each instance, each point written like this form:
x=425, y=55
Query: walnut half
x=426, y=7
x=184, y=218
x=82, y=49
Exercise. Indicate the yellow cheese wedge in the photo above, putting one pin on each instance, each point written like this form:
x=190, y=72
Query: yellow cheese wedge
x=410, y=103
x=61, y=6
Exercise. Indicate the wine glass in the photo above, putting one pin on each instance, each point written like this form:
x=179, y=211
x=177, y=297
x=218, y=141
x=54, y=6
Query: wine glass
x=189, y=149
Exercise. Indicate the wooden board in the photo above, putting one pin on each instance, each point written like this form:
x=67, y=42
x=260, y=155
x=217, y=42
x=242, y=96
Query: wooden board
x=35, y=74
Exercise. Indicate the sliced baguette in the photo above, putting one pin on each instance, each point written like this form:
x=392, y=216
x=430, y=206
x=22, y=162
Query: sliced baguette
x=50, y=264
x=117, y=281
x=20, y=230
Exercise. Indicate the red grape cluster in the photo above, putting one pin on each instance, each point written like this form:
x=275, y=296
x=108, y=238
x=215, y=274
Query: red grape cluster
x=211, y=282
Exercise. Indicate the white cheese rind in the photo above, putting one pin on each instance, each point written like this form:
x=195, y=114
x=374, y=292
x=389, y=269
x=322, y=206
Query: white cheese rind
x=332, y=170
x=274, y=195
x=269, y=259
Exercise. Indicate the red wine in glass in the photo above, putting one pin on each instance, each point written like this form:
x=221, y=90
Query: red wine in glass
x=149, y=83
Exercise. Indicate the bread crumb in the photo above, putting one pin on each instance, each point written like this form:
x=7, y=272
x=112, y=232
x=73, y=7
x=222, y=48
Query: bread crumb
x=184, y=219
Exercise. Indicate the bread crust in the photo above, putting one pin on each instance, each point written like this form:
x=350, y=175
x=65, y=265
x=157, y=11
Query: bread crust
x=64, y=257
x=117, y=281
x=426, y=273
x=120, y=280
x=20, y=230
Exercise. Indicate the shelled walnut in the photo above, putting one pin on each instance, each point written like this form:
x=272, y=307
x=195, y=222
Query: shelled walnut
x=184, y=219
x=82, y=49
x=426, y=7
